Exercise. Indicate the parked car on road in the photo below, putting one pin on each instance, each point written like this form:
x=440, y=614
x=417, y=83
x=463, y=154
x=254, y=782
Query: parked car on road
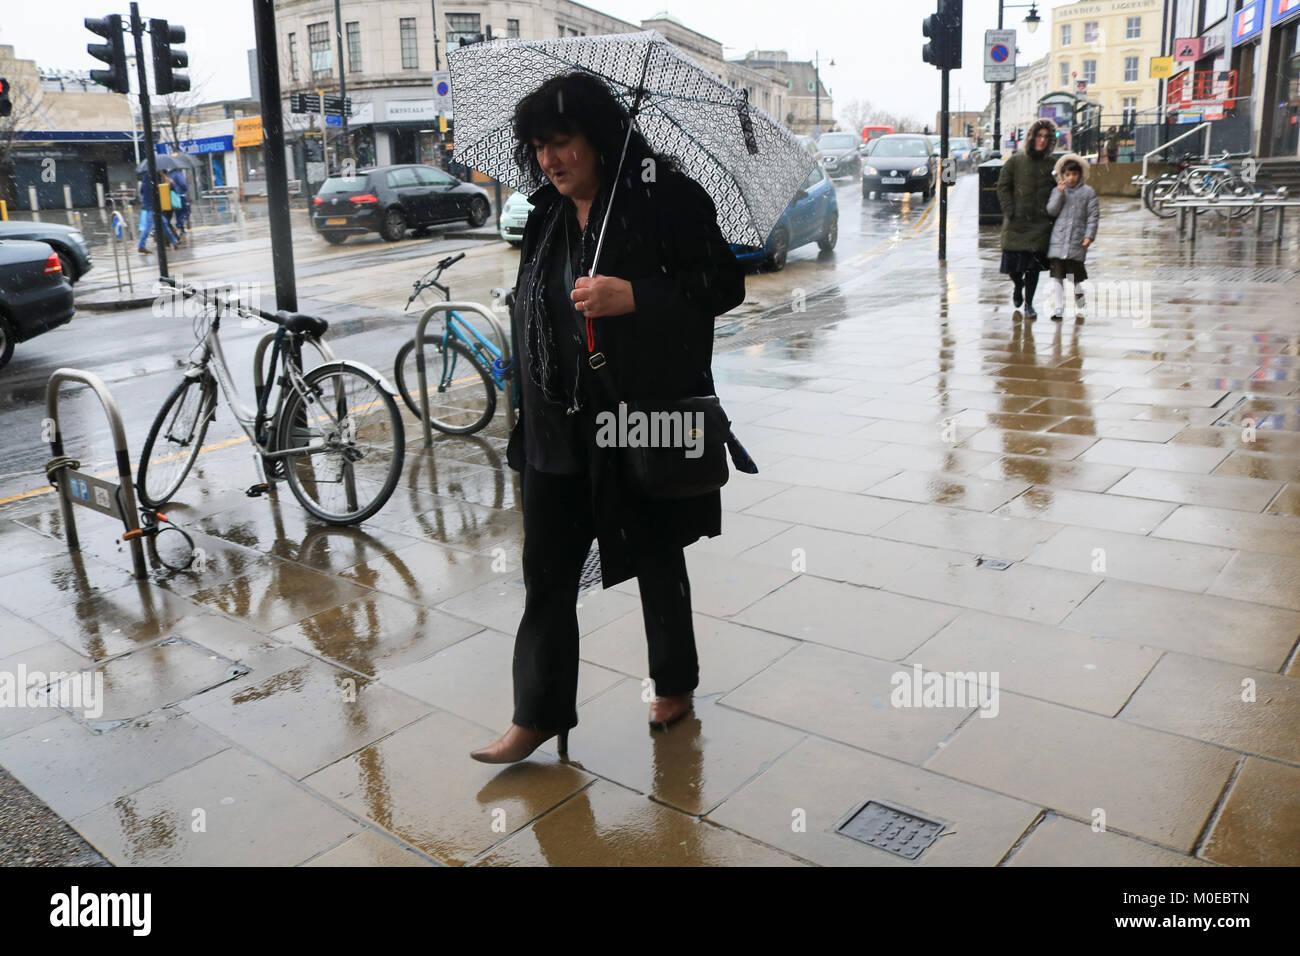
x=812, y=216
x=839, y=154
x=390, y=200
x=67, y=241
x=34, y=295
x=959, y=148
x=514, y=216
x=900, y=163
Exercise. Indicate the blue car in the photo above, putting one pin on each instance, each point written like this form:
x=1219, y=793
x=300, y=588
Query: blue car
x=812, y=216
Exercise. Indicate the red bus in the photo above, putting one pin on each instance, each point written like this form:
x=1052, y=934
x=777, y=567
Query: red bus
x=875, y=132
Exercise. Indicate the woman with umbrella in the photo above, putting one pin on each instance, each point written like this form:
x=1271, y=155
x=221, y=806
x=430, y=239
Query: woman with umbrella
x=642, y=326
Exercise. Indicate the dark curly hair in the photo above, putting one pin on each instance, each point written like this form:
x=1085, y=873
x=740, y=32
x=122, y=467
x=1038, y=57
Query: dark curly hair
x=1071, y=166
x=579, y=102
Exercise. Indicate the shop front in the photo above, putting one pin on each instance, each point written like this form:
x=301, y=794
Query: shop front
x=1280, y=133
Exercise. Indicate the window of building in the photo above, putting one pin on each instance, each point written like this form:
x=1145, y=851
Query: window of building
x=293, y=57
x=1128, y=109
x=1130, y=69
x=1091, y=30
x=462, y=25
x=512, y=29
x=1133, y=28
x=1065, y=74
x=1066, y=30
x=410, y=51
x=318, y=46
x=1089, y=72
x=354, y=47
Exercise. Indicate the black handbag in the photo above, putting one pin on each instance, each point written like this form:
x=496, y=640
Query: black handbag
x=667, y=448
x=673, y=448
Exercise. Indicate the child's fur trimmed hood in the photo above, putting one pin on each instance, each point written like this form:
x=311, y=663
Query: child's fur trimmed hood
x=1083, y=165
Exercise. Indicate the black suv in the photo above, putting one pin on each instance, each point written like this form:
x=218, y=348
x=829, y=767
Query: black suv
x=390, y=200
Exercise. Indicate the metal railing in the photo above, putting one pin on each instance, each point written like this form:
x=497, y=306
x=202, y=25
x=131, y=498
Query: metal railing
x=1207, y=126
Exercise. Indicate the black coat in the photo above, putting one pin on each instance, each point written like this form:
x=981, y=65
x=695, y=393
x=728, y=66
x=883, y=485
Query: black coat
x=663, y=237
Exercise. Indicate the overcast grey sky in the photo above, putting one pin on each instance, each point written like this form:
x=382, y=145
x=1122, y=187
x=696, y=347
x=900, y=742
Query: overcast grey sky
x=876, y=44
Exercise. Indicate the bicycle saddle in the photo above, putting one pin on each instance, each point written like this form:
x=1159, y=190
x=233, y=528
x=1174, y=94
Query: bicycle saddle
x=302, y=322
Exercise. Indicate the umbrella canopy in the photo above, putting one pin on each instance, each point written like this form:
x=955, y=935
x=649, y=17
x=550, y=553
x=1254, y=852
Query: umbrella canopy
x=749, y=163
x=167, y=162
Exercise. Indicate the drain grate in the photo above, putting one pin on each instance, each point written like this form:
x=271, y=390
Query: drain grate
x=997, y=564
x=890, y=829
x=1251, y=274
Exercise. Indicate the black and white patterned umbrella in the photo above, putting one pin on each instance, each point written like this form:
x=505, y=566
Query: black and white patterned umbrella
x=749, y=163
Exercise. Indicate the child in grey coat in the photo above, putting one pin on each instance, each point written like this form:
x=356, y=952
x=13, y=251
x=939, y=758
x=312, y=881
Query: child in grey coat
x=1075, y=208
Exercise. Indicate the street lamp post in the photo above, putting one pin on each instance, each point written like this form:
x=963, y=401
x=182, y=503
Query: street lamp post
x=1031, y=22
x=817, y=93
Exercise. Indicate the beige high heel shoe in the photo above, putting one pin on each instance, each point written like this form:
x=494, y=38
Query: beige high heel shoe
x=665, y=711
x=518, y=743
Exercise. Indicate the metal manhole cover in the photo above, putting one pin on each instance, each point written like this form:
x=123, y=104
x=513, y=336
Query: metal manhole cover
x=891, y=829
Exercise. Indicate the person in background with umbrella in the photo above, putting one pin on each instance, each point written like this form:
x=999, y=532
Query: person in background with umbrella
x=181, y=208
x=149, y=218
x=641, y=327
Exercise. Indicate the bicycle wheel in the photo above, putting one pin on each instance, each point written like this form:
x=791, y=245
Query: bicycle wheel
x=1156, y=192
x=1233, y=188
x=462, y=392
x=345, y=440
x=174, y=441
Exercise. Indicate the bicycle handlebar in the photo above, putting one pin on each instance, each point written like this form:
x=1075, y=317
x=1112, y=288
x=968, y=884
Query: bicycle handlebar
x=424, y=282
x=210, y=295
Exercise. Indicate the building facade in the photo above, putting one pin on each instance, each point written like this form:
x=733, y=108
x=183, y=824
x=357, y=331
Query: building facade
x=1237, y=63
x=1102, y=50
x=802, y=101
x=391, y=49
x=66, y=140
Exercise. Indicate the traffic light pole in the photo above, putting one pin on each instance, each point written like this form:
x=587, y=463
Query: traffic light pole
x=343, y=86
x=997, y=98
x=943, y=171
x=277, y=179
x=161, y=234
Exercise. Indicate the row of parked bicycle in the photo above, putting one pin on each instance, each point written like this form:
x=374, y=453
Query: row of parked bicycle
x=332, y=432
x=1217, y=179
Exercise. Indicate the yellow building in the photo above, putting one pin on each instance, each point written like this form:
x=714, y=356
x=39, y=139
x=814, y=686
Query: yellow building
x=1107, y=46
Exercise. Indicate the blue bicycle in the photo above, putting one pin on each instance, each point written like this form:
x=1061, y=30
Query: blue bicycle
x=464, y=369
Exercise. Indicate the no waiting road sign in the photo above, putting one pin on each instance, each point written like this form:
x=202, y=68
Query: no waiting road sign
x=999, y=56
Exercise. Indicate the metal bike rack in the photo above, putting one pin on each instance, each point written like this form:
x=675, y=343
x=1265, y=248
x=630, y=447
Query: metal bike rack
x=1258, y=206
x=114, y=500
x=419, y=358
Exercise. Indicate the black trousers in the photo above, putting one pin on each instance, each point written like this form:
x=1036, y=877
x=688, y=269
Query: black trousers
x=558, y=531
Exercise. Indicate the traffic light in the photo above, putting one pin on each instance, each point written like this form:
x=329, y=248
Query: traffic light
x=167, y=60
x=943, y=29
x=6, y=106
x=935, y=52
x=113, y=53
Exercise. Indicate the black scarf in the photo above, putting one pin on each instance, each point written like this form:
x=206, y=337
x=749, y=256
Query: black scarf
x=539, y=326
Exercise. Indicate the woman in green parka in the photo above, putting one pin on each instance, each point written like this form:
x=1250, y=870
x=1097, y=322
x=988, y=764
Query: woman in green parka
x=1024, y=186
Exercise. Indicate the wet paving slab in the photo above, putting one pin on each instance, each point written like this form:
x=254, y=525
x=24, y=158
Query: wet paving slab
x=1076, y=541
